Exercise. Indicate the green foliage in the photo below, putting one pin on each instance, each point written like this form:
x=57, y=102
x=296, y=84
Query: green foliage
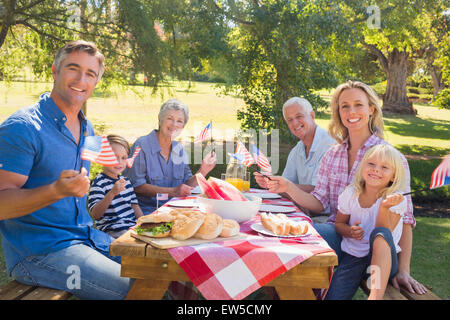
x=421, y=177
x=282, y=49
x=443, y=99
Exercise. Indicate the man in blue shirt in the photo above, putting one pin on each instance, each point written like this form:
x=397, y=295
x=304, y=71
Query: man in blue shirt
x=47, y=234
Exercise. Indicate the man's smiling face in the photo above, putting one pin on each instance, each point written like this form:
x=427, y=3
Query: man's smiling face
x=76, y=78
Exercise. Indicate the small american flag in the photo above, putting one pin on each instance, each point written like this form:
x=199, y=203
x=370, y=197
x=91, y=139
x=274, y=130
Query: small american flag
x=243, y=155
x=130, y=161
x=203, y=134
x=98, y=150
x=162, y=196
x=261, y=160
x=441, y=175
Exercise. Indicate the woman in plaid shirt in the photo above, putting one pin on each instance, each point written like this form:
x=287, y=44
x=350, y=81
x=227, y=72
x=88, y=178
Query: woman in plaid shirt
x=357, y=125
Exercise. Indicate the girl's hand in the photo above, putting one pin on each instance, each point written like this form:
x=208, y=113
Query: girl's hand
x=391, y=200
x=356, y=231
x=277, y=184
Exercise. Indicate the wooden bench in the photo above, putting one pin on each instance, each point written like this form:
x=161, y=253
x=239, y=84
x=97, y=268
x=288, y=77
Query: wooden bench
x=392, y=293
x=17, y=291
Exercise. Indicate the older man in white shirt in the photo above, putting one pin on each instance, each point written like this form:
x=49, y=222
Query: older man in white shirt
x=304, y=159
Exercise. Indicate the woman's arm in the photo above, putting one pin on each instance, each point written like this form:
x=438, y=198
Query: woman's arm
x=306, y=200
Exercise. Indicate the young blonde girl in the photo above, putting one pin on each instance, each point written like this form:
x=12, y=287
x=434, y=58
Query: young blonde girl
x=370, y=210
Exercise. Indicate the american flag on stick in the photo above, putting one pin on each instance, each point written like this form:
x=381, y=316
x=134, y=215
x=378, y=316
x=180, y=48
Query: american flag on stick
x=162, y=196
x=203, y=134
x=130, y=161
x=441, y=175
x=243, y=155
x=261, y=159
x=98, y=150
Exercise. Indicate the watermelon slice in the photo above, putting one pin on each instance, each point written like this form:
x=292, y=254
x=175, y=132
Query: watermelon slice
x=226, y=190
x=207, y=189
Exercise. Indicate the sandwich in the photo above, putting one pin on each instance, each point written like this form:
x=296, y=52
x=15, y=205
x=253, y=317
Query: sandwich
x=155, y=225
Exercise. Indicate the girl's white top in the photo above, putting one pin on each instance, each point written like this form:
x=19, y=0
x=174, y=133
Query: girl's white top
x=348, y=203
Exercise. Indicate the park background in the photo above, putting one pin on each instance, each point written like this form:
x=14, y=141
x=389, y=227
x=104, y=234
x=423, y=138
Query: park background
x=236, y=62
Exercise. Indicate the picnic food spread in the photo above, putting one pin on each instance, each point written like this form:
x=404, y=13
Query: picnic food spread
x=279, y=224
x=214, y=188
x=184, y=223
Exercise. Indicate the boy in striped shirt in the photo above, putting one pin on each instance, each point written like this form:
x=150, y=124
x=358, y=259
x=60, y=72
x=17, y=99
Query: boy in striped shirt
x=112, y=201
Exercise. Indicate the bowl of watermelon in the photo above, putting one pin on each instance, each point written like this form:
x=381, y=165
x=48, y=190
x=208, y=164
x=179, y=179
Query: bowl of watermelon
x=226, y=200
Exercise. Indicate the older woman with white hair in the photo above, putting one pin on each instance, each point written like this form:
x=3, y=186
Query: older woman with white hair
x=162, y=165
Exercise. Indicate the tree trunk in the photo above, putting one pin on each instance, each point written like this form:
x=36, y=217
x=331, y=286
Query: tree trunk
x=436, y=77
x=395, y=99
x=7, y=15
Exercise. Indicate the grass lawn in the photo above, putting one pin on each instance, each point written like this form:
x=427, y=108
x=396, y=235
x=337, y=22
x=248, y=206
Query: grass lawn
x=132, y=112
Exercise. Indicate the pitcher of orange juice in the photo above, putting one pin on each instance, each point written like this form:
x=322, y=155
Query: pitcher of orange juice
x=236, y=173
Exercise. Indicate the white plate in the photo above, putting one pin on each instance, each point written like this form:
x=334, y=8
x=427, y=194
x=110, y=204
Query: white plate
x=187, y=203
x=196, y=190
x=265, y=195
x=277, y=209
x=258, y=227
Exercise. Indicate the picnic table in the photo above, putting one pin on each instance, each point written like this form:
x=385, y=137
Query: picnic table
x=231, y=269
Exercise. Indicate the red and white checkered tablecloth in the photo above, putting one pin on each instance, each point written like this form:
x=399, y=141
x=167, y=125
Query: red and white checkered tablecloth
x=233, y=269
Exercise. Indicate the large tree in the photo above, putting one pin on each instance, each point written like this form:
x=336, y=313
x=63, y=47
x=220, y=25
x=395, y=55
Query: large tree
x=403, y=30
x=280, y=49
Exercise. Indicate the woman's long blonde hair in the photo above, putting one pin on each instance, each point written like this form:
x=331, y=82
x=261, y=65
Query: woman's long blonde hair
x=337, y=130
x=389, y=154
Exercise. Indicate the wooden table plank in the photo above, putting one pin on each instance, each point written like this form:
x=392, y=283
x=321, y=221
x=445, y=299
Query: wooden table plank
x=126, y=245
x=148, y=289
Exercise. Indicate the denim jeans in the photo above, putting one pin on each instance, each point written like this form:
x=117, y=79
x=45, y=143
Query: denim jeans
x=79, y=269
x=351, y=270
x=329, y=234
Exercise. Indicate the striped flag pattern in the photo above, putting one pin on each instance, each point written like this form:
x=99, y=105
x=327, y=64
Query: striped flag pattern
x=203, y=134
x=162, y=196
x=441, y=175
x=261, y=159
x=245, y=156
x=130, y=161
x=98, y=150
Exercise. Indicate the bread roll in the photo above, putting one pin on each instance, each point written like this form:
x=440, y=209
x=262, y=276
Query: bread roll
x=279, y=224
x=186, y=225
x=156, y=218
x=211, y=227
x=230, y=228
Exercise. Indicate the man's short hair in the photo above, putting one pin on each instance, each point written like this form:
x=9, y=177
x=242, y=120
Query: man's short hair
x=306, y=106
x=83, y=46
